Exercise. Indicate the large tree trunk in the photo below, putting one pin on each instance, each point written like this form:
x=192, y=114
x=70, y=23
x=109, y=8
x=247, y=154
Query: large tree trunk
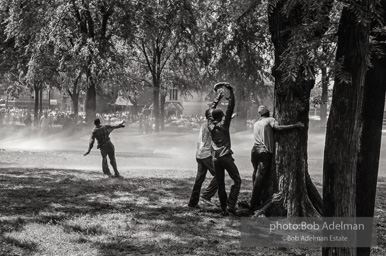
x=156, y=113
x=291, y=166
x=162, y=108
x=90, y=102
x=74, y=94
x=295, y=189
x=134, y=110
x=41, y=102
x=370, y=144
x=324, y=98
x=345, y=124
x=75, y=103
x=36, y=109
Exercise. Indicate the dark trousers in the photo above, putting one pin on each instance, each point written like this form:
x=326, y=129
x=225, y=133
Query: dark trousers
x=108, y=149
x=203, y=165
x=220, y=165
x=261, y=161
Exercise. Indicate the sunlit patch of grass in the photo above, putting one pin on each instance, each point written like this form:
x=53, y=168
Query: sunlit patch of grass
x=99, y=224
x=171, y=201
x=141, y=200
x=72, y=214
x=51, y=217
x=22, y=243
x=49, y=240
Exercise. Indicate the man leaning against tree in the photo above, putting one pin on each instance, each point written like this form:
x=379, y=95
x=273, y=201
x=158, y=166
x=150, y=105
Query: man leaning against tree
x=262, y=151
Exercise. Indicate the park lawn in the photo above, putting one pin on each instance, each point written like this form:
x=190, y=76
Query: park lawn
x=64, y=212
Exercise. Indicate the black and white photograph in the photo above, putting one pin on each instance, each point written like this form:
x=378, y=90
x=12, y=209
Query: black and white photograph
x=192, y=127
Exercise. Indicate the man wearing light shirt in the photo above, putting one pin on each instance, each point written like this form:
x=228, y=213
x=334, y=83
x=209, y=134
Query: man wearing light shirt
x=262, y=151
x=204, y=163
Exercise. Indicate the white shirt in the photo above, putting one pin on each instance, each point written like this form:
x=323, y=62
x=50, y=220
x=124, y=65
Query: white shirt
x=263, y=132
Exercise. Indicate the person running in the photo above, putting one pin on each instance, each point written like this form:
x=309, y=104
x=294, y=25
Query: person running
x=204, y=163
x=219, y=125
x=101, y=134
x=262, y=151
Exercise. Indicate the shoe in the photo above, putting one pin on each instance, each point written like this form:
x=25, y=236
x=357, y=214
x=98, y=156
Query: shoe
x=194, y=206
x=233, y=211
x=224, y=213
x=244, y=212
x=244, y=205
x=207, y=200
x=118, y=176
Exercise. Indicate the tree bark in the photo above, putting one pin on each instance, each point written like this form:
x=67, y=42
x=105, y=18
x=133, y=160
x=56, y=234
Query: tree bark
x=370, y=141
x=41, y=102
x=74, y=94
x=75, y=103
x=345, y=123
x=90, y=101
x=156, y=113
x=291, y=106
x=36, y=109
x=294, y=189
x=162, y=108
x=324, y=98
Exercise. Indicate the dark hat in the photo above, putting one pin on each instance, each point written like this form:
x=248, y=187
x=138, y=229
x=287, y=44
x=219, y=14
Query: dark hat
x=217, y=114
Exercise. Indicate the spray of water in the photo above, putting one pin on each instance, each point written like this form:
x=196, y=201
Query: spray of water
x=134, y=152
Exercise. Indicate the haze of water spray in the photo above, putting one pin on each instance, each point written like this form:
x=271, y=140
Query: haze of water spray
x=134, y=152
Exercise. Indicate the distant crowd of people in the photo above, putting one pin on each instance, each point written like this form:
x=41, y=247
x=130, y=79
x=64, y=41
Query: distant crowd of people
x=45, y=120
x=66, y=120
x=48, y=119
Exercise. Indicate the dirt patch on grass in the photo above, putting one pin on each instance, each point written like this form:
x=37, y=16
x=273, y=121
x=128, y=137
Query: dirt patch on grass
x=64, y=212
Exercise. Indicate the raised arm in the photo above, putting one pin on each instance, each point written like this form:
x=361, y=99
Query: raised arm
x=214, y=105
x=230, y=108
x=217, y=99
x=112, y=127
x=210, y=121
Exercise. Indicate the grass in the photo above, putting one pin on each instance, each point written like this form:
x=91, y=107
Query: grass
x=62, y=212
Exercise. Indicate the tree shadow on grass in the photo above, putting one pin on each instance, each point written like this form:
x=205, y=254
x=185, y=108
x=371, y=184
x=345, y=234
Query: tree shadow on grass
x=84, y=213
x=66, y=212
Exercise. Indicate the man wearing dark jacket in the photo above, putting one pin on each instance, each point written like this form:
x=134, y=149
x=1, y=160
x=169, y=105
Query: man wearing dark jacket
x=101, y=134
x=219, y=125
